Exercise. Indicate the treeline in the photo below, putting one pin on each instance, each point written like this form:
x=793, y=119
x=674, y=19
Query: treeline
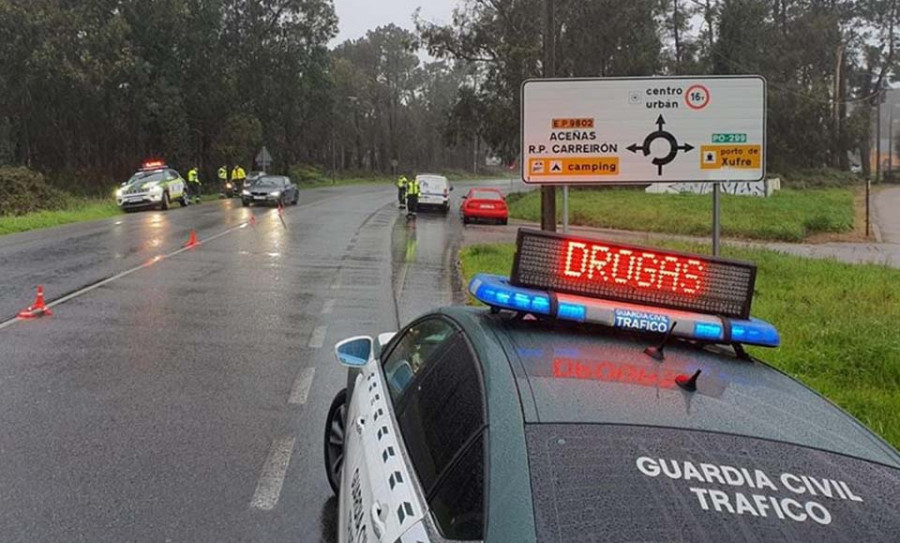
x=89, y=88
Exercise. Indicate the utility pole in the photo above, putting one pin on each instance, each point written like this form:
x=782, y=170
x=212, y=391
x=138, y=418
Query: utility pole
x=878, y=137
x=548, y=192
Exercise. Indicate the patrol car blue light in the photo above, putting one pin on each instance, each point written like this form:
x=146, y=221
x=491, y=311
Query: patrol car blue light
x=495, y=291
x=618, y=278
x=545, y=418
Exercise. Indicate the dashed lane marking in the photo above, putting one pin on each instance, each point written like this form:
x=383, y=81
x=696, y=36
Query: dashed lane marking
x=268, y=489
x=317, y=339
x=300, y=390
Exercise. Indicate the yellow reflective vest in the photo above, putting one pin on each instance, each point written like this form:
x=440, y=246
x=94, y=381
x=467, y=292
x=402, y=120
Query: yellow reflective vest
x=412, y=189
x=237, y=174
x=223, y=173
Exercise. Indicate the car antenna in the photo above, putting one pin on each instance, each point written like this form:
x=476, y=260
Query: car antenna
x=657, y=353
x=688, y=383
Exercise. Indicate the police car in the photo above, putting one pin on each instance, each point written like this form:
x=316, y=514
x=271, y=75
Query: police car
x=605, y=395
x=155, y=185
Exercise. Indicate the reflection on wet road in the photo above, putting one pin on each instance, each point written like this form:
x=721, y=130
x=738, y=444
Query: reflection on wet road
x=185, y=400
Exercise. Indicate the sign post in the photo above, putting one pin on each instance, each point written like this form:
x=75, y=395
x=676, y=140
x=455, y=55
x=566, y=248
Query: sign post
x=716, y=219
x=621, y=131
x=263, y=159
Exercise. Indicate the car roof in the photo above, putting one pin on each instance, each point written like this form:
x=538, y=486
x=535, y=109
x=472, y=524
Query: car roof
x=571, y=373
x=485, y=189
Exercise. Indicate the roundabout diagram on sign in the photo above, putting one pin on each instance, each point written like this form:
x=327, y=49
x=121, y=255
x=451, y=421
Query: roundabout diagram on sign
x=661, y=133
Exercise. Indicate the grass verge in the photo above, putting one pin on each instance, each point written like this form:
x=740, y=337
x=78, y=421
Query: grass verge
x=788, y=215
x=838, y=325
x=78, y=211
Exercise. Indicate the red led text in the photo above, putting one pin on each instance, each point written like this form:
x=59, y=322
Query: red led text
x=642, y=270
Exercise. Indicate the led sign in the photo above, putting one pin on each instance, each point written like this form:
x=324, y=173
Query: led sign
x=613, y=271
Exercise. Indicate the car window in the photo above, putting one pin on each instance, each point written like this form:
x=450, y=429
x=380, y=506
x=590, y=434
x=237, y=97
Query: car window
x=414, y=349
x=170, y=175
x=146, y=177
x=486, y=195
x=458, y=499
x=443, y=411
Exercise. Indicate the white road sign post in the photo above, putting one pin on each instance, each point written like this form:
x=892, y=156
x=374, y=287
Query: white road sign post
x=614, y=131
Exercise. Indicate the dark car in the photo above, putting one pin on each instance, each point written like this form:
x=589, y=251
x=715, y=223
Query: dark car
x=531, y=420
x=271, y=190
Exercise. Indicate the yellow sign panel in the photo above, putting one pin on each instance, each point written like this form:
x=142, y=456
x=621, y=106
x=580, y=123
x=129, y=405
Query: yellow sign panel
x=730, y=157
x=567, y=124
x=608, y=165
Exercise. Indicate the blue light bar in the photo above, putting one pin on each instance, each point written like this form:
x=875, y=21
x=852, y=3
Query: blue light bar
x=496, y=291
x=755, y=332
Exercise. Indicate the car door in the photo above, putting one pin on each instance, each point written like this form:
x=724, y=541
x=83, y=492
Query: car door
x=388, y=498
x=175, y=184
x=355, y=493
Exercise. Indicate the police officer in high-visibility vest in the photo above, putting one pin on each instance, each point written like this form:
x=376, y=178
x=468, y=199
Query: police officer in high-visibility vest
x=412, y=195
x=193, y=184
x=237, y=178
x=222, y=174
x=401, y=190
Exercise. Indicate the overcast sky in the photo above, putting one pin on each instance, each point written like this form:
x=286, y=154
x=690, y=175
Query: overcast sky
x=355, y=17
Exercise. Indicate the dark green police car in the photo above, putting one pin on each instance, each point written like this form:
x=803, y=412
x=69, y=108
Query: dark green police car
x=604, y=395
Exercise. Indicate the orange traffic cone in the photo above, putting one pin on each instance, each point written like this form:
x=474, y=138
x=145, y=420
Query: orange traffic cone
x=39, y=309
x=281, y=214
x=192, y=241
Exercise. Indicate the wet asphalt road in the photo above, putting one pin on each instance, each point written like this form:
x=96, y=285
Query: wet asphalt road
x=153, y=407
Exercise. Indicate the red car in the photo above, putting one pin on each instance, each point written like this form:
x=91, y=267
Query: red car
x=485, y=204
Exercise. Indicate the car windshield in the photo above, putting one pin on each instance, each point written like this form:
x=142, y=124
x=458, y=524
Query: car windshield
x=596, y=482
x=269, y=181
x=147, y=177
x=485, y=195
x=432, y=183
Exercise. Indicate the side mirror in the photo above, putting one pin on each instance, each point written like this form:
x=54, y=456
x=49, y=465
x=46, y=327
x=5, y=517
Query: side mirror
x=451, y=188
x=354, y=352
x=465, y=196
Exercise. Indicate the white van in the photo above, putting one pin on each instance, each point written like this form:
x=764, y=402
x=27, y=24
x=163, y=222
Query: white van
x=434, y=190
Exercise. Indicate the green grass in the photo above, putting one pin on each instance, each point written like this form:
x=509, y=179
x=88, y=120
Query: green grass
x=80, y=210
x=789, y=215
x=838, y=325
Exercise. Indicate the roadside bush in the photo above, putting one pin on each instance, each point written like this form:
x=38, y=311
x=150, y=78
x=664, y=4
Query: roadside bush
x=25, y=191
x=307, y=173
x=817, y=178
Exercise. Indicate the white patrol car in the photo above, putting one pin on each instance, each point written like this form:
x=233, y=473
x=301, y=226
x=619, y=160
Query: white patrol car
x=155, y=185
x=605, y=395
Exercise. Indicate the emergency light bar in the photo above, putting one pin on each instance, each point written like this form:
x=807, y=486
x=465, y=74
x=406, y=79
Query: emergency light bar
x=153, y=165
x=497, y=291
x=626, y=273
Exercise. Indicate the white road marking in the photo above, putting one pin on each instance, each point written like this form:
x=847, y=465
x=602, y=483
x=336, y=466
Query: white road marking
x=300, y=390
x=328, y=307
x=268, y=489
x=317, y=339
